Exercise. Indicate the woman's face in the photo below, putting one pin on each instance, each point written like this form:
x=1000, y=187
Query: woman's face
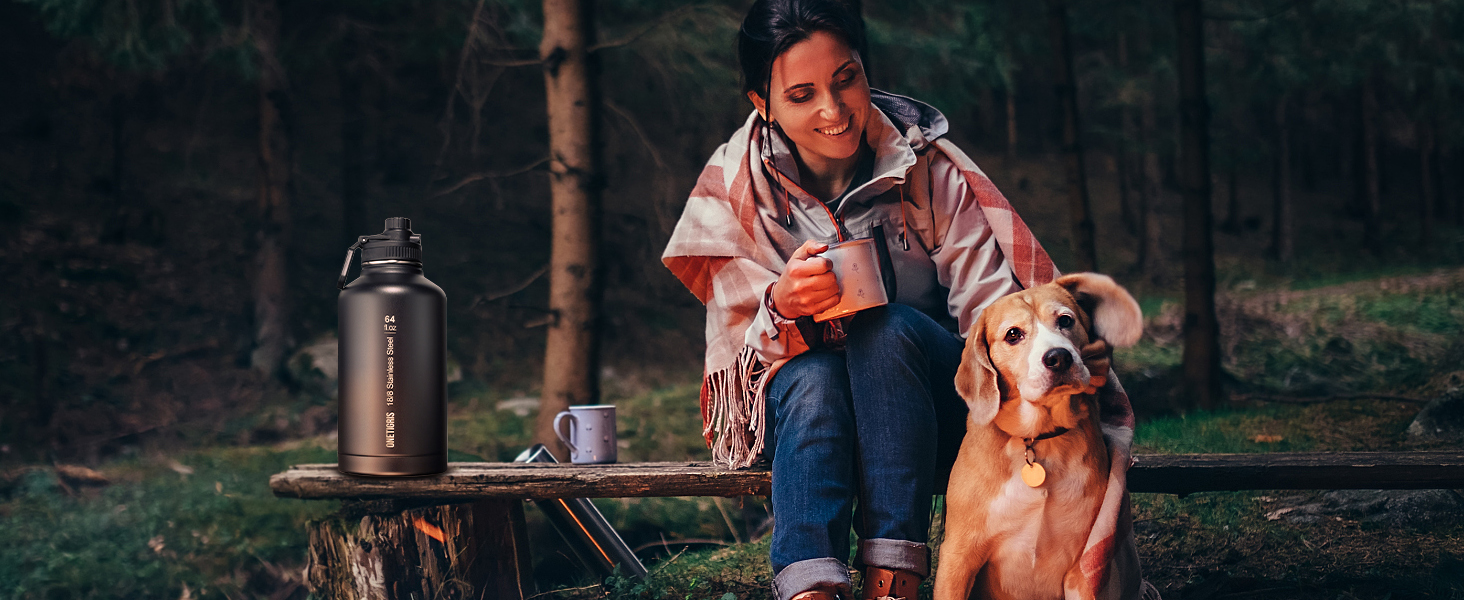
x=820, y=98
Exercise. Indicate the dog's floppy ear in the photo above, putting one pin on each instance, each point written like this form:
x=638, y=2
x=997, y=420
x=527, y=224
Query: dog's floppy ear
x=976, y=378
x=1116, y=316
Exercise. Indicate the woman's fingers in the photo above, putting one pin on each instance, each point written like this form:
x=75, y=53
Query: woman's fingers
x=809, y=248
x=808, y=285
x=809, y=267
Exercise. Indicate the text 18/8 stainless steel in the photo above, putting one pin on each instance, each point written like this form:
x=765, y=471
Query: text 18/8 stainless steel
x=393, y=360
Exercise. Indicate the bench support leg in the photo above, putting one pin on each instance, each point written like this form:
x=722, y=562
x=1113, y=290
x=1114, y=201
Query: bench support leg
x=459, y=551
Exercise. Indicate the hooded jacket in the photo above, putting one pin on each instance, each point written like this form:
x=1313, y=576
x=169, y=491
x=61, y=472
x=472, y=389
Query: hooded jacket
x=921, y=204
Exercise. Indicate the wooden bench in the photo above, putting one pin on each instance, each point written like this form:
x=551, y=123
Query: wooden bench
x=461, y=533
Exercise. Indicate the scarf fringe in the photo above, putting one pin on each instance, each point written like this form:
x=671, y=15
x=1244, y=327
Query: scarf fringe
x=734, y=411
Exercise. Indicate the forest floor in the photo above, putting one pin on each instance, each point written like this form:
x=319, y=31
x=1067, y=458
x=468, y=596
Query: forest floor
x=202, y=523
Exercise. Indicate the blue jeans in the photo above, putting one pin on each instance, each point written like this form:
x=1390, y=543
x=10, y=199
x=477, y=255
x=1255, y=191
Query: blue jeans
x=880, y=421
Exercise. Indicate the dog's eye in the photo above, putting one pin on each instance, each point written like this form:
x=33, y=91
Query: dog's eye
x=1014, y=335
x=1064, y=321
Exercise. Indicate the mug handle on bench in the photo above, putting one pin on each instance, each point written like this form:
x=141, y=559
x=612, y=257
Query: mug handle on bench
x=559, y=431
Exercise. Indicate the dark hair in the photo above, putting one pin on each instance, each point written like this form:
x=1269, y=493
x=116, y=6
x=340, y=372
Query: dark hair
x=773, y=26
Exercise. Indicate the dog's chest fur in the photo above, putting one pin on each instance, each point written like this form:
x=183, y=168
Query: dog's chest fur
x=1038, y=533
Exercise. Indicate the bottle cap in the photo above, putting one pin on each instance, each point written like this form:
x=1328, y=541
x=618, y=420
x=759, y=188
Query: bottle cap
x=396, y=243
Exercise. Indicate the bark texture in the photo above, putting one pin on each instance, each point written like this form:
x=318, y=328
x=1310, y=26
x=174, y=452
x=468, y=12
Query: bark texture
x=1129, y=131
x=352, y=74
x=1427, y=202
x=571, y=358
x=1282, y=236
x=1080, y=214
x=1011, y=120
x=1371, y=229
x=271, y=275
x=1201, y=328
x=462, y=551
x=1151, y=189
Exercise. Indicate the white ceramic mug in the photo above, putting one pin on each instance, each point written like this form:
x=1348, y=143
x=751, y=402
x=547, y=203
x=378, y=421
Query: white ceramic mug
x=591, y=435
x=855, y=265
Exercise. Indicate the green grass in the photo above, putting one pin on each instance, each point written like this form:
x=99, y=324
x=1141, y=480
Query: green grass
x=1228, y=431
x=155, y=531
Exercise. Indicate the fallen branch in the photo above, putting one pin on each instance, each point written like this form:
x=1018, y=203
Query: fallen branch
x=561, y=591
x=667, y=544
x=635, y=35
x=521, y=286
x=489, y=175
x=1332, y=398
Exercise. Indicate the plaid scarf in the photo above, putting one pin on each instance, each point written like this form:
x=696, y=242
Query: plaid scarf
x=723, y=251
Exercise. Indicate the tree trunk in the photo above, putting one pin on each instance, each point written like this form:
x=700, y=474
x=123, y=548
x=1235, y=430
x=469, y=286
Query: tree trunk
x=1281, y=223
x=1011, y=118
x=1125, y=149
x=986, y=113
x=475, y=550
x=1372, y=232
x=351, y=76
x=1151, y=187
x=570, y=360
x=1426, y=183
x=1232, y=194
x=1201, y=328
x=1459, y=193
x=1080, y=213
x=271, y=282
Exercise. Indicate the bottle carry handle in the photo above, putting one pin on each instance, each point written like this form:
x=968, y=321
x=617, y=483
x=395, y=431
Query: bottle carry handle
x=350, y=254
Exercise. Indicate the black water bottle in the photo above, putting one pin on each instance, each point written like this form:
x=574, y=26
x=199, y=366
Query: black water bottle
x=393, y=360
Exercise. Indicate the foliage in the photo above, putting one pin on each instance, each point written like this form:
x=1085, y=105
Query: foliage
x=205, y=521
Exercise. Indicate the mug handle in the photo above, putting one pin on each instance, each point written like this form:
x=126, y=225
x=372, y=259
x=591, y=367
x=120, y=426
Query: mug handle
x=560, y=431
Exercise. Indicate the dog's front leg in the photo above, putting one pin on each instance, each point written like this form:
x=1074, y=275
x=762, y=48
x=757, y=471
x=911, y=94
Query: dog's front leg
x=962, y=555
x=967, y=543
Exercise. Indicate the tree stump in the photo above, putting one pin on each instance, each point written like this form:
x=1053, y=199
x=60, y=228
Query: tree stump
x=383, y=551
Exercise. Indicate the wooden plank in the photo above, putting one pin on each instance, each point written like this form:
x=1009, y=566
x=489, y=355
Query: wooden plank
x=1189, y=473
x=468, y=481
x=1152, y=473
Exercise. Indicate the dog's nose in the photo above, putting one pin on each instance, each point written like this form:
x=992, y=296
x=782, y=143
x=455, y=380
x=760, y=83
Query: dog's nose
x=1057, y=359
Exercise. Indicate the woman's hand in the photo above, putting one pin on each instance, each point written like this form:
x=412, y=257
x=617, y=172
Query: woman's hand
x=1096, y=356
x=807, y=286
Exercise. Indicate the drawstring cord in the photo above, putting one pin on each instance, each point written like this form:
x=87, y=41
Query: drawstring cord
x=904, y=239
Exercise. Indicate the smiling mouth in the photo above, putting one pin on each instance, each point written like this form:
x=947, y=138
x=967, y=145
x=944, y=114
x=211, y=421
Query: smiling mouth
x=839, y=130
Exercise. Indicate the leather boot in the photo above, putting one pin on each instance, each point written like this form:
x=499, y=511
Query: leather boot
x=882, y=584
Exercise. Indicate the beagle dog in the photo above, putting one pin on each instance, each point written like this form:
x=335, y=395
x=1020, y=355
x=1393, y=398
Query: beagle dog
x=1029, y=480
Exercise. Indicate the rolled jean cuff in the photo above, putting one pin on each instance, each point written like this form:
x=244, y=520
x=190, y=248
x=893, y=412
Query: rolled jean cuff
x=895, y=554
x=808, y=574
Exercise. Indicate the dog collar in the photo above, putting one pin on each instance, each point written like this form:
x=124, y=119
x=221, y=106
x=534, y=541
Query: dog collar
x=1046, y=436
x=1032, y=473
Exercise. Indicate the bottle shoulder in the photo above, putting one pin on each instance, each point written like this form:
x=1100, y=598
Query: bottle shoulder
x=391, y=283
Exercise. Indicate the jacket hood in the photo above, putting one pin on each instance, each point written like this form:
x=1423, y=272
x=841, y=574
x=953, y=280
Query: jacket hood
x=920, y=123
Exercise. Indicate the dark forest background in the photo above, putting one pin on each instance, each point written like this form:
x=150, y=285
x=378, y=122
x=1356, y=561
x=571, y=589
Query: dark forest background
x=142, y=215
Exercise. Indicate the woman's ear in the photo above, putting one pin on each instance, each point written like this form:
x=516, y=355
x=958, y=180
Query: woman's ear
x=1116, y=316
x=976, y=378
x=758, y=103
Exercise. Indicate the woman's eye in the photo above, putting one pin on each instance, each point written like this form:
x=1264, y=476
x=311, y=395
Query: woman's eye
x=1064, y=321
x=800, y=98
x=1013, y=335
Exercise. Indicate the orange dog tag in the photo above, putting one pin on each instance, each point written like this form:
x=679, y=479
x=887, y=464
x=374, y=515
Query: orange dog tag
x=1033, y=474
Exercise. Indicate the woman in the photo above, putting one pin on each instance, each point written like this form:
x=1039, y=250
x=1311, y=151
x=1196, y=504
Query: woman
x=862, y=406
